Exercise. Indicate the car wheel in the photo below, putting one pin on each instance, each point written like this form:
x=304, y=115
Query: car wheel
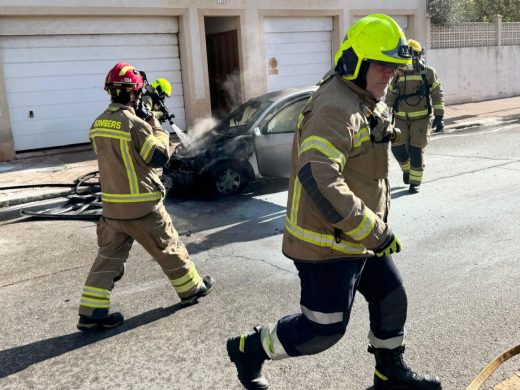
x=228, y=178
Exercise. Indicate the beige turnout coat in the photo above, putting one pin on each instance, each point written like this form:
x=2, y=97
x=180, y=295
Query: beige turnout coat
x=339, y=195
x=125, y=145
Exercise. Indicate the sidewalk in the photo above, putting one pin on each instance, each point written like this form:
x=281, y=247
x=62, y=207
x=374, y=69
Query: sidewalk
x=63, y=166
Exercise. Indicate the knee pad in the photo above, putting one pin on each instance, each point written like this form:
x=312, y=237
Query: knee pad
x=416, y=157
x=400, y=153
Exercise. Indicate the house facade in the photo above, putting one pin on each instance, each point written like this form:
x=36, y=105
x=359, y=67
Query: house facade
x=54, y=56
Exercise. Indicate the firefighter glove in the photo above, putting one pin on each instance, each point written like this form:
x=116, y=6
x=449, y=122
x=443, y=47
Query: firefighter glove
x=392, y=245
x=143, y=112
x=438, y=123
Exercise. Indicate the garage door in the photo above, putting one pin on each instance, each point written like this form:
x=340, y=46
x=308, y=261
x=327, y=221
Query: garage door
x=54, y=75
x=298, y=51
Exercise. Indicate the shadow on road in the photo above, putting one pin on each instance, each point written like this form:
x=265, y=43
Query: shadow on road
x=19, y=358
x=228, y=219
x=398, y=192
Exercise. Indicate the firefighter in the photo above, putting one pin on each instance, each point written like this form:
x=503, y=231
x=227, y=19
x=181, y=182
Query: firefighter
x=336, y=228
x=154, y=95
x=130, y=152
x=415, y=95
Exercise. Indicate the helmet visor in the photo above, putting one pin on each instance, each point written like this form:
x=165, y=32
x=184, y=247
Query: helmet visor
x=392, y=65
x=401, y=51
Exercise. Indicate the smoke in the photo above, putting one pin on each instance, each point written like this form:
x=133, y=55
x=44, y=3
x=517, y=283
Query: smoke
x=201, y=127
x=231, y=89
x=231, y=86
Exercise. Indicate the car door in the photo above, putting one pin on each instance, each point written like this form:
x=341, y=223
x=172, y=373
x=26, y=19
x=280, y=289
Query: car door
x=273, y=140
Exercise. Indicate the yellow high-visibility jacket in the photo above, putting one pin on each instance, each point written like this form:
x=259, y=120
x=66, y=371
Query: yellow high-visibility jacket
x=129, y=151
x=409, y=98
x=339, y=194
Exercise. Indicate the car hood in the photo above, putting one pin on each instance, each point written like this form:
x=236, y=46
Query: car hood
x=210, y=140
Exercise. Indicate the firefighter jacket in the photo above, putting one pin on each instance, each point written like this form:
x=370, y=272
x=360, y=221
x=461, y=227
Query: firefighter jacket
x=129, y=151
x=339, y=195
x=415, y=94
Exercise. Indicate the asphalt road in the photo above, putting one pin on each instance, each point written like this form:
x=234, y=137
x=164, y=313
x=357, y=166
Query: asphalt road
x=459, y=264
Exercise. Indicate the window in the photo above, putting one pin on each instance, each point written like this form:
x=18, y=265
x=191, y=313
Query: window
x=285, y=120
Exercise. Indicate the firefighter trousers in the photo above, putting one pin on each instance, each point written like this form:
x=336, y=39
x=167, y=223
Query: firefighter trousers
x=155, y=232
x=409, y=151
x=327, y=295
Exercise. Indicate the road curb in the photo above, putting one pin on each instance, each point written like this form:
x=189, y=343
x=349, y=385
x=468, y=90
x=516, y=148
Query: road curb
x=13, y=212
x=32, y=198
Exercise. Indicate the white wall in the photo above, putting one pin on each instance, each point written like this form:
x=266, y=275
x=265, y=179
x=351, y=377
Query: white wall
x=473, y=74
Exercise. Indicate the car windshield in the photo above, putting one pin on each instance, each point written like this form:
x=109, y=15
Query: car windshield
x=243, y=117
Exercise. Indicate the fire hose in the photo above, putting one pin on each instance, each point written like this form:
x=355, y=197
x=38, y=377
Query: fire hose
x=83, y=202
x=484, y=375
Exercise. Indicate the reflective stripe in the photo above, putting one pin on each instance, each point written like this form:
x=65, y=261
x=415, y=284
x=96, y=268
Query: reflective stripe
x=110, y=133
x=271, y=344
x=129, y=166
x=150, y=142
x=391, y=343
x=435, y=84
x=125, y=69
x=324, y=146
x=414, y=114
x=95, y=297
x=362, y=136
x=295, y=203
x=96, y=292
x=438, y=106
x=381, y=376
x=187, y=282
x=410, y=78
x=129, y=198
x=301, y=117
x=418, y=175
x=323, y=240
x=405, y=167
x=322, y=318
x=365, y=226
x=242, y=346
x=97, y=304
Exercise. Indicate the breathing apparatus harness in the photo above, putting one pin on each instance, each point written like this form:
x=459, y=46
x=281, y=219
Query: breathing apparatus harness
x=419, y=67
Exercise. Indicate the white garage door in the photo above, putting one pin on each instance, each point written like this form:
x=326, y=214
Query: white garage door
x=298, y=50
x=54, y=80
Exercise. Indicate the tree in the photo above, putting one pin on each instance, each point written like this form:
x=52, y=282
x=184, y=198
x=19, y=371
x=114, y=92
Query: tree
x=486, y=9
x=447, y=12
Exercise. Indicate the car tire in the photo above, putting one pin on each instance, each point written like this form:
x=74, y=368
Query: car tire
x=228, y=178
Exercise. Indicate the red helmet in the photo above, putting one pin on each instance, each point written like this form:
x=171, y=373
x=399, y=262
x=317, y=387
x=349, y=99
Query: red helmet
x=124, y=76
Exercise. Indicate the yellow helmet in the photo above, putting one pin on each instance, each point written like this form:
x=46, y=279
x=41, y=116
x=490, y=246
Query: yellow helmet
x=416, y=46
x=376, y=38
x=162, y=86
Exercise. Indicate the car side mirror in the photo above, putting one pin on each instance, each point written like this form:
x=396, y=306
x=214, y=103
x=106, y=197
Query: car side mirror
x=257, y=132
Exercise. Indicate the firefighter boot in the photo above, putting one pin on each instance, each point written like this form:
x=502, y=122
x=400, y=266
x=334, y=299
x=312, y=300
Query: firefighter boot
x=414, y=188
x=205, y=288
x=392, y=373
x=406, y=177
x=110, y=321
x=247, y=353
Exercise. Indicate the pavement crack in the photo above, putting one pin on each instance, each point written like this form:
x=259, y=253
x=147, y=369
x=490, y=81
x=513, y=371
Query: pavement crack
x=263, y=261
x=473, y=171
x=42, y=276
x=475, y=157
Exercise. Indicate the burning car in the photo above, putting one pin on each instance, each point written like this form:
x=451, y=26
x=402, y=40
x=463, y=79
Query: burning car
x=252, y=142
